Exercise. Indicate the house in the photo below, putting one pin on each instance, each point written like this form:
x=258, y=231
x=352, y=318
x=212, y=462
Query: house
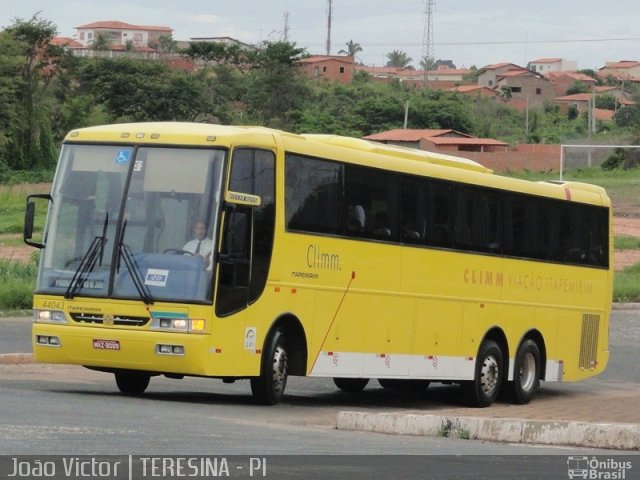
x=475, y=91
x=440, y=78
x=120, y=33
x=225, y=40
x=622, y=70
x=523, y=89
x=546, y=65
x=564, y=80
x=582, y=102
x=332, y=68
x=488, y=75
x=437, y=139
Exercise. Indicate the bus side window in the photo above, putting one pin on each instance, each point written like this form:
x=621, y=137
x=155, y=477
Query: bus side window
x=413, y=215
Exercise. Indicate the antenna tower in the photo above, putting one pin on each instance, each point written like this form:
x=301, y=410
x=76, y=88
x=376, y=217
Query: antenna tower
x=329, y=14
x=427, y=39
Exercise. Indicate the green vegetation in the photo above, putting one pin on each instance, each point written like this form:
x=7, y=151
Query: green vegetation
x=626, y=286
x=12, y=206
x=45, y=91
x=627, y=243
x=17, y=282
x=452, y=429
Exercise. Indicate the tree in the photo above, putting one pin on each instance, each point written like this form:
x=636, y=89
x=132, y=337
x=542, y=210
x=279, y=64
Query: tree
x=352, y=50
x=428, y=63
x=165, y=44
x=101, y=42
x=274, y=87
x=578, y=87
x=399, y=59
x=628, y=116
x=138, y=90
x=40, y=63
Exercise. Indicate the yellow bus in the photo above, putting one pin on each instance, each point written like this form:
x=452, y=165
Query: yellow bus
x=183, y=249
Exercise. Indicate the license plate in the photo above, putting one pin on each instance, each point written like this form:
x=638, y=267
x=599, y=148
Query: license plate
x=106, y=344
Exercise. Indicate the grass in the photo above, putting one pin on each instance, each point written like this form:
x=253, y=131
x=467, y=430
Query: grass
x=626, y=285
x=17, y=282
x=626, y=243
x=12, y=206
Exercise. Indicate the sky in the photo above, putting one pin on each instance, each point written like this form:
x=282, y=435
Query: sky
x=467, y=32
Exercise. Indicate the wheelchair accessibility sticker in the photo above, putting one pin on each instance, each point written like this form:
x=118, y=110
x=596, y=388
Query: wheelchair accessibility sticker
x=122, y=158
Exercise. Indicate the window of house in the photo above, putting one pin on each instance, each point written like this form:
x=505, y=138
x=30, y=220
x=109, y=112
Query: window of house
x=538, y=91
x=341, y=69
x=516, y=89
x=89, y=36
x=324, y=69
x=491, y=83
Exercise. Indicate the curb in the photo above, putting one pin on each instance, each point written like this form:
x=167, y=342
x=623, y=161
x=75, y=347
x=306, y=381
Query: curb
x=577, y=434
x=16, y=313
x=16, y=358
x=626, y=306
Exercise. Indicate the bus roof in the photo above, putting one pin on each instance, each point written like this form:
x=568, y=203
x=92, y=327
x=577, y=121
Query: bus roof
x=363, y=152
x=398, y=151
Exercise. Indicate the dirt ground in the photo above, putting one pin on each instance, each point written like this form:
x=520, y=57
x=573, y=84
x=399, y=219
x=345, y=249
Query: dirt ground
x=622, y=226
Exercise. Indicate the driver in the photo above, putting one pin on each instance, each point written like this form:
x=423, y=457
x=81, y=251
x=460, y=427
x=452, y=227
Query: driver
x=201, y=245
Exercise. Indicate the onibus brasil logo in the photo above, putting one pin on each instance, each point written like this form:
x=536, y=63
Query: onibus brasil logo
x=596, y=468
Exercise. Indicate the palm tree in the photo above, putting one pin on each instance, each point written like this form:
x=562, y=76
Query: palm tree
x=428, y=63
x=399, y=59
x=353, y=48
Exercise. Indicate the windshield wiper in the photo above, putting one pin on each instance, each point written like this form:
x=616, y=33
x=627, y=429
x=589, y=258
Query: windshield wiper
x=88, y=261
x=124, y=252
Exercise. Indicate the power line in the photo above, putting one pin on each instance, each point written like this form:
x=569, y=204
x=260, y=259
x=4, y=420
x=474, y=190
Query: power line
x=501, y=42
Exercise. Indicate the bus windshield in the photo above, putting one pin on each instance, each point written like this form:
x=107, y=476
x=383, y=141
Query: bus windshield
x=135, y=223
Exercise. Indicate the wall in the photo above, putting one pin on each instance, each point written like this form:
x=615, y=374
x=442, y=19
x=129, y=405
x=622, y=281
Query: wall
x=534, y=157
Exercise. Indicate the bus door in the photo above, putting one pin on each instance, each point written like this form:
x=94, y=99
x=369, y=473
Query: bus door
x=247, y=236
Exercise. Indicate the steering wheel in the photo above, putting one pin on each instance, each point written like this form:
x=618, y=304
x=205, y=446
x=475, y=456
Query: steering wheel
x=177, y=251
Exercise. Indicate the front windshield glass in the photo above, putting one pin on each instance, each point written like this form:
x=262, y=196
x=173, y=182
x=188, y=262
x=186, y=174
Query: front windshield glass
x=168, y=226
x=161, y=248
x=82, y=223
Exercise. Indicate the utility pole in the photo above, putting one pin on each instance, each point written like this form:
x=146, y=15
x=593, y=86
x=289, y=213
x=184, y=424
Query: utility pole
x=427, y=38
x=285, y=34
x=329, y=14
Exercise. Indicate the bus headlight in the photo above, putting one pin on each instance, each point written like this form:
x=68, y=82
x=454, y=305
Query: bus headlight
x=49, y=316
x=179, y=324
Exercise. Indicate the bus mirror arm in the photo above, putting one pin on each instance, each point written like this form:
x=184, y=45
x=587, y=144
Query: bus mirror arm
x=29, y=219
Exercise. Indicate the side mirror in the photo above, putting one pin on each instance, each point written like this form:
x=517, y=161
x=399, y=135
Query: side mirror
x=30, y=216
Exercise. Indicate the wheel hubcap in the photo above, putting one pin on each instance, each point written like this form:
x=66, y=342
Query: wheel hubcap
x=279, y=369
x=527, y=372
x=489, y=375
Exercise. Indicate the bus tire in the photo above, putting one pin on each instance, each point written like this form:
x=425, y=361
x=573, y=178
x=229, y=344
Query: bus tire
x=404, y=385
x=483, y=390
x=352, y=385
x=526, y=373
x=268, y=388
x=132, y=383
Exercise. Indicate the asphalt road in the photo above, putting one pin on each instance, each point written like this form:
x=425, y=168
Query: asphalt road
x=48, y=410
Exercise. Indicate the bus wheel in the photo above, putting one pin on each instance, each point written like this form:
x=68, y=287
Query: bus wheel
x=351, y=384
x=268, y=388
x=409, y=386
x=483, y=390
x=526, y=373
x=132, y=383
